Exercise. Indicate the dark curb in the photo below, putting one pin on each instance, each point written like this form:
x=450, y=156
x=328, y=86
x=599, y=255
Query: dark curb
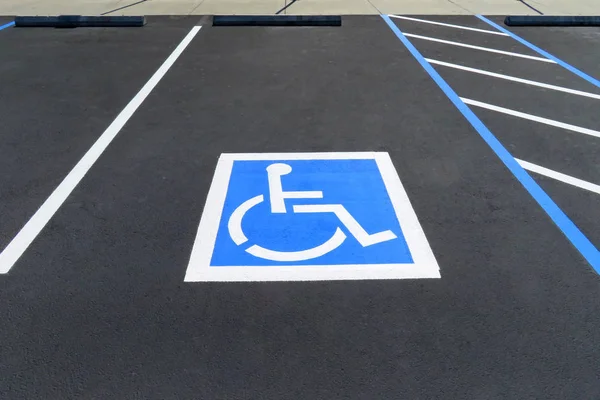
x=78, y=21
x=277, y=20
x=548, y=20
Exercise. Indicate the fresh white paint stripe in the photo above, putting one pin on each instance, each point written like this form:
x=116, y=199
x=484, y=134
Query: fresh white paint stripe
x=34, y=226
x=515, y=79
x=530, y=117
x=559, y=176
x=470, y=46
x=467, y=28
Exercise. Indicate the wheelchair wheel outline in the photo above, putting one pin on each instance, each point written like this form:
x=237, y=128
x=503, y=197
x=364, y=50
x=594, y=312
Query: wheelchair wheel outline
x=234, y=226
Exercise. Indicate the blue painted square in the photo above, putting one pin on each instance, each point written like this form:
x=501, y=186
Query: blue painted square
x=356, y=184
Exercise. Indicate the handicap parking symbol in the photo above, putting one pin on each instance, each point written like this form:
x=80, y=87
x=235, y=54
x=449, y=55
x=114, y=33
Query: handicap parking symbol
x=308, y=216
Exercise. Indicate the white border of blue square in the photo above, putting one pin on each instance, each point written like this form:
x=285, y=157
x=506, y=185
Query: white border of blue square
x=199, y=269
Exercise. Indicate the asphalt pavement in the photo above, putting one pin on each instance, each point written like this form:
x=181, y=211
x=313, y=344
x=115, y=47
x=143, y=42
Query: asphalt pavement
x=97, y=305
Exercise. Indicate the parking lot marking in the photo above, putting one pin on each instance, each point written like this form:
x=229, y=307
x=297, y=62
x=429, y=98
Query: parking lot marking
x=544, y=53
x=560, y=176
x=34, y=226
x=542, y=120
x=7, y=25
x=585, y=247
x=515, y=79
x=264, y=221
x=468, y=28
x=470, y=46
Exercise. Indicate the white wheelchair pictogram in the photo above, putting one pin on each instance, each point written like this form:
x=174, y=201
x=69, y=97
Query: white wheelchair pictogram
x=277, y=198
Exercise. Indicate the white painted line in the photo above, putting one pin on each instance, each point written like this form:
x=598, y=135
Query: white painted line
x=38, y=221
x=467, y=28
x=212, y=213
x=530, y=117
x=470, y=46
x=289, y=256
x=515, y=79
x=348, y=221
x=559, y=176
x=356, y=155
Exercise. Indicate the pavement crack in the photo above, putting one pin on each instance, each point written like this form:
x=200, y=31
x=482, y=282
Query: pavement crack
x=461, y=7
x=196, y=7
x=285, y=7
x=531, y=7
x=127, y=6
x=375, y=7
x=91, y=210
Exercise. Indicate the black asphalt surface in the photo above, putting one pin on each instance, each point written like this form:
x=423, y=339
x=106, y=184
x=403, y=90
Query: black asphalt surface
x=97, y=306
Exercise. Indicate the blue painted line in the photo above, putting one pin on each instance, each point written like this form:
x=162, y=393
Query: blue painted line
x=7, y=25
x=544, y=53
x=568, y=228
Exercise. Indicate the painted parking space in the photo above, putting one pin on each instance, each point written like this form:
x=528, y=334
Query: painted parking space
x=51, y=118
x=104, y=282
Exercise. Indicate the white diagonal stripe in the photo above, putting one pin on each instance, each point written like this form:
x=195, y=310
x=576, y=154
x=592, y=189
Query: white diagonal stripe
x=515, y=79
x=530, y=117
x=467, y=28
x=470, y=46
x=559, y=176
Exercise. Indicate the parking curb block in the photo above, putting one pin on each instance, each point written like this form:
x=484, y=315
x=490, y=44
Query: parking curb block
x=548, y=20
x=79, y=21
x=277, y=20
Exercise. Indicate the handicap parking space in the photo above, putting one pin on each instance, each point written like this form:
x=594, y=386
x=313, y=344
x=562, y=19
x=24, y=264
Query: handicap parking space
x=107, y=281
x=229, y=102
x=214, y=102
